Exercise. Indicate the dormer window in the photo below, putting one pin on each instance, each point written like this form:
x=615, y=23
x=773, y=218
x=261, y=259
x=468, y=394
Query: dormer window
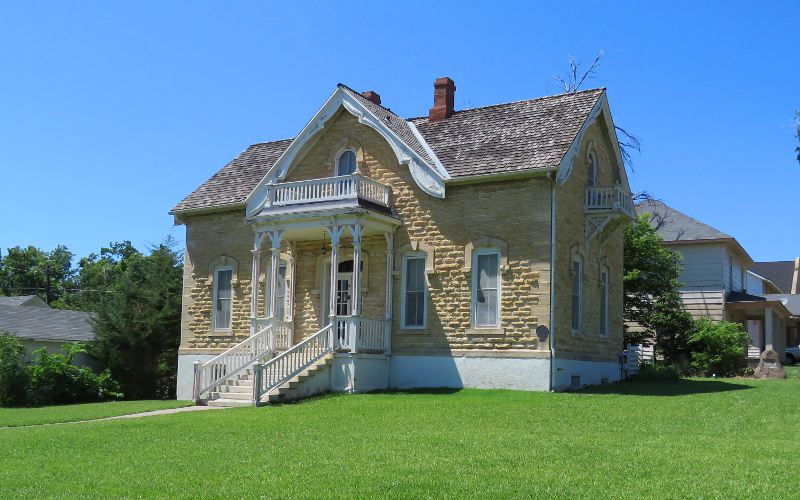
x=346, y=163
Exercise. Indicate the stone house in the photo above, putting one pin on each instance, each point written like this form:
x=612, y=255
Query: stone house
x=466, y=248
x=718, y=281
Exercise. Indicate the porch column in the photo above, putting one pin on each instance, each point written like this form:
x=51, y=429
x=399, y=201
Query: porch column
x=254, y=282
x=769, y=329
x=389, y=273
x=275, y=238
x=356, y=229
x=335, y=232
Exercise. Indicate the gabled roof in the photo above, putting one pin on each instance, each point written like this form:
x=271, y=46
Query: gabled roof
x=779, y=272
x=23, y=300
x=676, y=227
x=517, y=136
x=38, y=323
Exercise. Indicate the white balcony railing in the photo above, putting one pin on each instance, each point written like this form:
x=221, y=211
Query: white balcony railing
x=328, y=189
x=609, y=198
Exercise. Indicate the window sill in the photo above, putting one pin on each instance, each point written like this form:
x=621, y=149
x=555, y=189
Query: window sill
x=486, y=330
x=413, y=331
x=220, y=333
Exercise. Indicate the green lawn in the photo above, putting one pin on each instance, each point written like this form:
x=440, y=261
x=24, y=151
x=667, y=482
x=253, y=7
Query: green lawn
x=13, y=417
x=692, y=438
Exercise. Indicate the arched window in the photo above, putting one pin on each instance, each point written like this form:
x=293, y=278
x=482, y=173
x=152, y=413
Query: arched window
x=414, y=297
x=486, y=288
x=604, y=284
x=223, y=298
x=577, y=293
x=346, y=163
x=591, y=169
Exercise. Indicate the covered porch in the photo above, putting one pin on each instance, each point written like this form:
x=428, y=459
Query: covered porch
x=766, y=322
x=324, y=269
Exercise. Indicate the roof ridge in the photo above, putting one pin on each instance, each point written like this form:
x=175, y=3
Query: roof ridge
x=270, y=142
x=533, y=99
x=351, y=89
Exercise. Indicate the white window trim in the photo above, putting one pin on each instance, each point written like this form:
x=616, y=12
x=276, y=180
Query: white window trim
x=605, y=284
x=339, y=157
x=403, y=279
x=216, y=296
x=579, y=261
x=474, y=298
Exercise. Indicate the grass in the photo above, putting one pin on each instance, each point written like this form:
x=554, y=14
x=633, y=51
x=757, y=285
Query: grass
x=699, y=438
x=15, y=417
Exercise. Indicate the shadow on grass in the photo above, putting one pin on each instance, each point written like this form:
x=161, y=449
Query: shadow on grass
x=681, y=387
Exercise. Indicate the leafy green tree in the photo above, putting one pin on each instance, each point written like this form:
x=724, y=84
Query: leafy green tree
x=96, y=275
x=138, y=322
x=31, y=270
x=651, y=292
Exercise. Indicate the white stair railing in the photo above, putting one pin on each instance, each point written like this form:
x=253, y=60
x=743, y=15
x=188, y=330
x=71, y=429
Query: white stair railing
x=217, y=370
x=292, y=362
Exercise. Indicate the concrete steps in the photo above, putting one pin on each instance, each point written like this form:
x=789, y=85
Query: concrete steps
x=293, y=389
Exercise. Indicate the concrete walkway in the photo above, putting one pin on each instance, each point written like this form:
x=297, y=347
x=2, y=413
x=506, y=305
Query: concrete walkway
x=154, y=413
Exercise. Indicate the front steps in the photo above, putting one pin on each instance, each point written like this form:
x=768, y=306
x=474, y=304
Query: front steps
x=239, y=391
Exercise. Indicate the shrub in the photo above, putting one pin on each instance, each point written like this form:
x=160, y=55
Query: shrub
x=717, y=348
x=55, y=380
x=658, y=372
x=13, y=372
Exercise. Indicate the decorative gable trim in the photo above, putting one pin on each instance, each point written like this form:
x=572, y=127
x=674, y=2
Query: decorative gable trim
x=600, y=108
x=430, y=178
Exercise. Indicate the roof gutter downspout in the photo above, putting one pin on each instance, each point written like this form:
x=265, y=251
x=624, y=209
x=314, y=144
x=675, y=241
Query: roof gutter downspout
x=552, y=179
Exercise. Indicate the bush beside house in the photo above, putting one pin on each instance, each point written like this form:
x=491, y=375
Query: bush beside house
x=50, y=378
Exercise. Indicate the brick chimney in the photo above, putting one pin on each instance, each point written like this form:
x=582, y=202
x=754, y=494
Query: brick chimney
x=796, y=277
x=444, y=92
x=372, y=96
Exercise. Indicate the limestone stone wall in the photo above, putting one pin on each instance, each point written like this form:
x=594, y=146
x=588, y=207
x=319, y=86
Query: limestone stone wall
x=516, y=212
x=604, y=250
x=209, y=237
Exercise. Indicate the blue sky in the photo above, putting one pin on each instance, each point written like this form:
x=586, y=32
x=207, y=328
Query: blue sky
x=110, y=113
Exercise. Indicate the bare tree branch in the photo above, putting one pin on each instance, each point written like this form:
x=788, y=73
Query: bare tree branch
x=572, y=82
x=574, y=79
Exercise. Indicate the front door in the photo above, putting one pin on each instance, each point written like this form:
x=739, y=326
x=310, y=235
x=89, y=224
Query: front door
x=344, y=300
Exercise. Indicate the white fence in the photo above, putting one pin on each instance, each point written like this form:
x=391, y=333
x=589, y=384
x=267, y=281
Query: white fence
x=636, y=356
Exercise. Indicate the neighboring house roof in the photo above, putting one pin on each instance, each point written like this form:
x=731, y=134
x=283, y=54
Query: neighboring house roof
x=779, y=272
x=37, y=323
x=522, y=135
x=676, y=227
x=765, y=281
x=23, y=300
x=791, y=301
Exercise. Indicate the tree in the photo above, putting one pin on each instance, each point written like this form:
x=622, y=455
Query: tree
x=31, y=270
x=574, y=80
x=138, y=321
x=797, y=133
x=651, y=291
x=96, y=276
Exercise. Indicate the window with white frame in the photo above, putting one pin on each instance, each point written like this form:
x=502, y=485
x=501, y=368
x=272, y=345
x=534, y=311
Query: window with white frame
x=346, y=163
x=283, y=300
x=414, y=291
x=591, y=169
x=486, y=288
x=604, y=302
x=223, y=298
x=577, y=292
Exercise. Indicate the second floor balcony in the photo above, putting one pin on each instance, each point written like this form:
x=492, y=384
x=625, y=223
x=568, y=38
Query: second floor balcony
x=609, y=200
x=341, y=190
